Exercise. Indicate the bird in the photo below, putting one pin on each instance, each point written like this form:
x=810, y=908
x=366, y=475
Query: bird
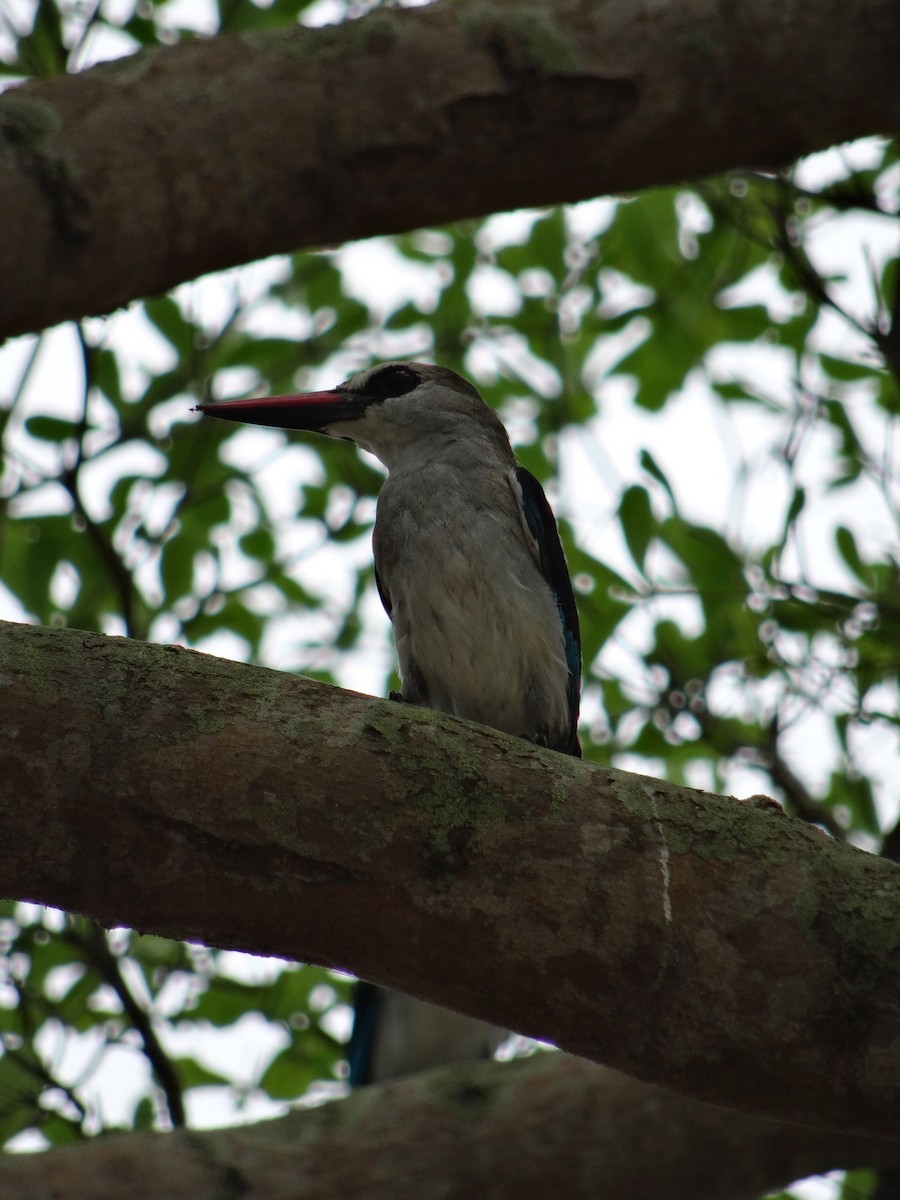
x=471, y=572
x=395, y=1035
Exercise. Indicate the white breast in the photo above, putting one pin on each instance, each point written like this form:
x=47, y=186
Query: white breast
x=476, y=625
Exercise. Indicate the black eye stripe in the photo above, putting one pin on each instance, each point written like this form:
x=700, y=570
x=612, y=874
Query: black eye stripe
x=391, y=381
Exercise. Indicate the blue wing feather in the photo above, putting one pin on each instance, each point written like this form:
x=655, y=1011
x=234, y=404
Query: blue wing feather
x=366, y=1005
x=382, y=592
x=542, y=523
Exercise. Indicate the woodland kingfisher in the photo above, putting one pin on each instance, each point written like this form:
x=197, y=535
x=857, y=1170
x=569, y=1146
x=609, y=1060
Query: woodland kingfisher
x=470, y=569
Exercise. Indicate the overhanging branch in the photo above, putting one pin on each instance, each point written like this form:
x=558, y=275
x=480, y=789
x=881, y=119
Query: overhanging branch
x=722, y=949
x=134, y=176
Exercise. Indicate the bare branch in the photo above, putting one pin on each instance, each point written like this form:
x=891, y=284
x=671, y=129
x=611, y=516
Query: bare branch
x=548, y=1126
x=134, y=176
x=724, y=949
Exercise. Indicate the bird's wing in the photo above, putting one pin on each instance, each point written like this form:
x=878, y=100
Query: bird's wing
x=366, y=1005
x=541, y=524
x=382, y=592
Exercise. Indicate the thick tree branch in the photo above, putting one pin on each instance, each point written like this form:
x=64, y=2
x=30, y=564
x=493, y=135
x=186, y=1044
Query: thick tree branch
x=135, y=176
x=522, y=1131
x=724, y=949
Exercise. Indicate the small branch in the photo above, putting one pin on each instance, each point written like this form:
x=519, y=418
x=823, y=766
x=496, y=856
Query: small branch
x=70, y=480
x=29, y=1065
x=118, y=572
x=94, y=946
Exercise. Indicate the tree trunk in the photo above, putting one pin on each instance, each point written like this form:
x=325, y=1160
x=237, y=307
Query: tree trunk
x=720, y=948
x=135, y=176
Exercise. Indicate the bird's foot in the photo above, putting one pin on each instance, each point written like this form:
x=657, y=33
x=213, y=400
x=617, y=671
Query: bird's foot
x=537, y=739
x=573, y=746
x=397, y=697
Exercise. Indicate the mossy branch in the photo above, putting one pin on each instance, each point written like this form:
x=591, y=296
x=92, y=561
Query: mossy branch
x=720, y=948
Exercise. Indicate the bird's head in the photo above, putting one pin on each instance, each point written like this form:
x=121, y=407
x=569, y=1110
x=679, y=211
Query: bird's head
x=388, y=409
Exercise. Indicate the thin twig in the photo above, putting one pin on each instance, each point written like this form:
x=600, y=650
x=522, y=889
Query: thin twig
x=97, y=951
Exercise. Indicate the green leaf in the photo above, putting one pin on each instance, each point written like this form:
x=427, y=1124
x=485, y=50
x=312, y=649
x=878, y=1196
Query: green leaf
x=730, y=389
x=28, y=559
x=50, y=429
x=107, y=376
x=849, y=552
x=176, y=569
x=858, y=1185
x=841, y=369
x=61, y=1130
x=144, y=1117
x=642, y=241
x=852, y=456
x=259, y=543
x=286, y=1077
x=889, y=393
x=638, y=525
x=43, y=50
x=22, y=1081
x=650, y=465
x=226, y=1000
x=310, y=1056
x=548, y=243
x=165, y=313
x=192, y=1074
x=856, y=795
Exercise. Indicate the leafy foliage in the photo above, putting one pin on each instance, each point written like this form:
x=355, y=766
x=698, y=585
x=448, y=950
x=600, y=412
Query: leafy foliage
x=713, y=405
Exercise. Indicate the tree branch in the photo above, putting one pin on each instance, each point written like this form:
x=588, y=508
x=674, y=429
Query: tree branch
x=93, y=945
x=134, y=176
x=725, y=949
x=551, y=1125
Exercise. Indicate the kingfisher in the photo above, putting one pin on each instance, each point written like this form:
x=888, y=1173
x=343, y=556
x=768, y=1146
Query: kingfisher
x=471, y=572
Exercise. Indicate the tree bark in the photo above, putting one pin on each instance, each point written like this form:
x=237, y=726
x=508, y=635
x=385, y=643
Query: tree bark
x=722, y=949
x=548, y=1126
x=137, y=175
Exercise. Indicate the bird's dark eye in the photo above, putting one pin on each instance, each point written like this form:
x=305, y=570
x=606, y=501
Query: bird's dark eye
x=393, y=380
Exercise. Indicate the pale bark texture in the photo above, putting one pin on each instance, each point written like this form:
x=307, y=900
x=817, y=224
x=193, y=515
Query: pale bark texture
x=522, y=1131
x=135, y=176
x=719, y=948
